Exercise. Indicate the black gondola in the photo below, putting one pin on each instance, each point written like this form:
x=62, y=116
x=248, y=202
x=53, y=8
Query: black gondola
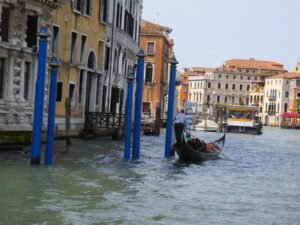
x=199, y=153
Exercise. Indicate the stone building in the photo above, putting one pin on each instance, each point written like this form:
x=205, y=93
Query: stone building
x=158, y=49
x=280, y=94
x=231, y=83
x=20, y=22
x=121, y=47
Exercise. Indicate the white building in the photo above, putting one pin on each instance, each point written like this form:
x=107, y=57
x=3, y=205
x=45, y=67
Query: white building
x=122, y=45
x=231, y=83
x=20, y=22
x=277, y=93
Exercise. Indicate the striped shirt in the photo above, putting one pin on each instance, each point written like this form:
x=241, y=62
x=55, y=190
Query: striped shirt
x=180, y=118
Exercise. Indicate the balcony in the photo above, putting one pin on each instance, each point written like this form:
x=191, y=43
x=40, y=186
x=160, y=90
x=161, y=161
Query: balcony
x=52, y=3
x=271, y=112
x=272, y=98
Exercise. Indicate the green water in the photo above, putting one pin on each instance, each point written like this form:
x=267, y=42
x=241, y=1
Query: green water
x=89, y=183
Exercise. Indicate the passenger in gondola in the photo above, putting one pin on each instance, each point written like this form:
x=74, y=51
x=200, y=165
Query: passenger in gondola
x=180, y=124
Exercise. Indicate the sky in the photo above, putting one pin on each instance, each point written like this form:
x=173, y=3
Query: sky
x=209, y=32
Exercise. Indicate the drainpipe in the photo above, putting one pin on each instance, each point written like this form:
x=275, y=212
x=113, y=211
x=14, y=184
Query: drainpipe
x=111, y=58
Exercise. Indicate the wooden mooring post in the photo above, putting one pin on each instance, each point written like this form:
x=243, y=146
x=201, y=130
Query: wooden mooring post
x=68, y=120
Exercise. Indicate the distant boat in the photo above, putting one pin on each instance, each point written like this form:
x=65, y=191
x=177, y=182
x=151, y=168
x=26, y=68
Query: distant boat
x=207, y=125
x=242, y=119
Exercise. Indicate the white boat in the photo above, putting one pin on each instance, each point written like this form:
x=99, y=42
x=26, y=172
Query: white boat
x=243, y=119
x=207, y=125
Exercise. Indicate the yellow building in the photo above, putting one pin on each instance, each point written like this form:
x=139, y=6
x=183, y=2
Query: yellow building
x=78, y=37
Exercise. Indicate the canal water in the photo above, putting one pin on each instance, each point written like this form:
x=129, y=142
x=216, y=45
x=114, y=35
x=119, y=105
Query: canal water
x=255, y=182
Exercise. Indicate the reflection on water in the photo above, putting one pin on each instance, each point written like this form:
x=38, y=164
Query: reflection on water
x=90, y=183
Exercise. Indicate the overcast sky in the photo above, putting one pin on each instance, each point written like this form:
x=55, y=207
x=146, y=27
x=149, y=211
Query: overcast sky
x=208, y=32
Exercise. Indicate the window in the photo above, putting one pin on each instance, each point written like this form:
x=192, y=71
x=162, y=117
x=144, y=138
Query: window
x=77, y=5
x=218, y=98
x=225, y=99
x=248, y=78
x=150, y=48
x=87, y=7
x=248, y=87
x=227, y=76
x=107, y=58
x=27, y=80
x=226, y=86
x=241, y=87
x=1, y=77
x=208, y=85
x=149, y=72
x=73, y=48
x=31, y=32
x=98, y=90
x=115, y=63
x=81, y=76
x=233, y=86
x=286, y=94
x=220, y=76
x=4, y=24
x=208, y=98
x=255, y=78
x=241, y=77
x=103, y=98
x=59, y=91
x=103, y=11
x=71, y=92
x=55, y=39
x=119, y=16
x=83, y=48
x=219, y=85
x=234, y=77
x=100, y=55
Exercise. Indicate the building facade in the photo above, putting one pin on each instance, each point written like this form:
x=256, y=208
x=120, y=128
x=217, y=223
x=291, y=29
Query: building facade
x=78, y=37
x=121, y=47
x=158, y=49
x=231, y=83
x=20, y=22
x=97, y=43
x=280, y=96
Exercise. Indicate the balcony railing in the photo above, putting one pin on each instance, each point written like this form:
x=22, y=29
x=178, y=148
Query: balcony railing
x=272, y=98
x=52, y=3
x=271, y=112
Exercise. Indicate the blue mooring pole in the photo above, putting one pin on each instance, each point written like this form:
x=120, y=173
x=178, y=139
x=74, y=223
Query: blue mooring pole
x=51, y=110
x=170, y=108
x=39, y=97
x=130, y=79
x=138, y=105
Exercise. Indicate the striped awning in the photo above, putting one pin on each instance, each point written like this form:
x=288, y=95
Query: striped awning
x=291, y=115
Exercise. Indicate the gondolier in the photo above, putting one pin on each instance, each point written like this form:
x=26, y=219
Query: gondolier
x=180, y=124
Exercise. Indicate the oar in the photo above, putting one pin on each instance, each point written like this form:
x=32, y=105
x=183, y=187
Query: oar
x=226, y=157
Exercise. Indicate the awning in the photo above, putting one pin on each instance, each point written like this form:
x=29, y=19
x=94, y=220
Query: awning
x=291, y=115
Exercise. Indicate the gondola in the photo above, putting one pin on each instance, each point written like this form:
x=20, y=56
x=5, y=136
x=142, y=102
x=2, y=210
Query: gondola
x=187, y=151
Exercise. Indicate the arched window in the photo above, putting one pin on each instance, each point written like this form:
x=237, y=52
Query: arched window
x=91, y=61
x=285, y=107
x=149, y=73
